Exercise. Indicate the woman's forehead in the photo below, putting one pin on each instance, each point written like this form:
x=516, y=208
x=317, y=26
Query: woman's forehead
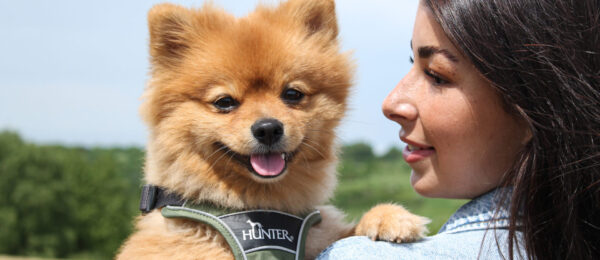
x=427, y=33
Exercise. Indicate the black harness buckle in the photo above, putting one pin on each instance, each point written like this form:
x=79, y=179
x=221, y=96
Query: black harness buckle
x=154, y=197
x=148, y=199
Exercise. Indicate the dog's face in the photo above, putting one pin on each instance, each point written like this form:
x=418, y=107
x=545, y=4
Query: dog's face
x=240, y=106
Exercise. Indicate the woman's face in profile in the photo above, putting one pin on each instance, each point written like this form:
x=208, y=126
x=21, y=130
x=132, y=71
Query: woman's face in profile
x=460, y=138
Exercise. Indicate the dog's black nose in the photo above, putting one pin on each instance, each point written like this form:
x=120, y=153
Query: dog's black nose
x=267, y=130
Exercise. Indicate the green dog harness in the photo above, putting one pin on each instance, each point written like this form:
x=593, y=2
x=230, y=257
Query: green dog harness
x=252, y=234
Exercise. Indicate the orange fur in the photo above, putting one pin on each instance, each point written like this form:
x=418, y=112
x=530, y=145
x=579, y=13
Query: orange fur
x=198, y=55
x=390, y=222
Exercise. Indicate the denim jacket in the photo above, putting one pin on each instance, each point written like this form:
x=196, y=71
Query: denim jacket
x=474, y=231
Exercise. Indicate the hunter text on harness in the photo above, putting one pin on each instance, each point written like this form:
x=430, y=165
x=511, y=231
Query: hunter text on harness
x=252, y=234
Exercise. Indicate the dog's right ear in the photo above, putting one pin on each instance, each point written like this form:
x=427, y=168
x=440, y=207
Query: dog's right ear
x=316, y=16
x=170, y=28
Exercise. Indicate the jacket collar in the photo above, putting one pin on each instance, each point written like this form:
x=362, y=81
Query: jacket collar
x=484, y=212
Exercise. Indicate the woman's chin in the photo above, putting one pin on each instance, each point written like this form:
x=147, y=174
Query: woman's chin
x=420, y=185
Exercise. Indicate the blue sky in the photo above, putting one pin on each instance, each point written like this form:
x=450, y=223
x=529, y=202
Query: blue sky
x=72, y=72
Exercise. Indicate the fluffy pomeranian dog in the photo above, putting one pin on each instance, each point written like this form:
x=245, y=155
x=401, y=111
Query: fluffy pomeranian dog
x=242, y=113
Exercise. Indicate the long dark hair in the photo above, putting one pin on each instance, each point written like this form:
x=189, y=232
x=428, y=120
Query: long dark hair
x=543, y=57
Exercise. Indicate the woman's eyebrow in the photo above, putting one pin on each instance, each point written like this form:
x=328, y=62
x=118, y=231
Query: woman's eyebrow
x=427, y=51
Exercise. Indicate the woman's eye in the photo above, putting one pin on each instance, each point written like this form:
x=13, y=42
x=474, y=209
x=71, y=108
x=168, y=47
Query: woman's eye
x=292, y=96
x=437, y=79
x=226, y=104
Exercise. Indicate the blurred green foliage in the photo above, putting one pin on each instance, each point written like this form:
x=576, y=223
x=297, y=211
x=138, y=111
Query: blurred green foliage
x=80, y=203
x=60, y=202
x=366, y=180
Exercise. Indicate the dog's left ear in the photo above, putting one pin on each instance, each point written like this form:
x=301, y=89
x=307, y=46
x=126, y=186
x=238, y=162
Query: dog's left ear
x=170, y=29
x=317, y=16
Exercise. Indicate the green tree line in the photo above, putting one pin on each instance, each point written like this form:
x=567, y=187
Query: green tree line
x=75, y=202
x=64, y=202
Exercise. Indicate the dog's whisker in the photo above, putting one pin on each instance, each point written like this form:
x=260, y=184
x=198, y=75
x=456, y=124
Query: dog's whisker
x=306, y=161
x=215, y=152
x=315, y=130
x=315, y=145
x=217, y=160
x=314, y=149
x=230, y=157
x=312, y=142
x=248, y=145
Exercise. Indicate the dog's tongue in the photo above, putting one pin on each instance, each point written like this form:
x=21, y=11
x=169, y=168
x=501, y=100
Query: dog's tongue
x=267, y=164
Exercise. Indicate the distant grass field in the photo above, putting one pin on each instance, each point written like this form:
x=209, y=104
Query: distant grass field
x=388, y=181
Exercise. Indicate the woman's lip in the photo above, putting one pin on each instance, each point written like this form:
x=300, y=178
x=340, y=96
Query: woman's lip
x=409, y=142
x=415, y=156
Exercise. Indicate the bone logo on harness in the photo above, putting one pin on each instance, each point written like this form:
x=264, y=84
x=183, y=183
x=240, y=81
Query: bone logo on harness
x=256, y=231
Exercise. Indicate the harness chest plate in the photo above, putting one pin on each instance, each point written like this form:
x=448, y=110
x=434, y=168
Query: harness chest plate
x=254, y=234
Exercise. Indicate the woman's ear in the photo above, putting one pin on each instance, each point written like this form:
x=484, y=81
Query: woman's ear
x=525, y=128
x=528, y=135
x=316, y=16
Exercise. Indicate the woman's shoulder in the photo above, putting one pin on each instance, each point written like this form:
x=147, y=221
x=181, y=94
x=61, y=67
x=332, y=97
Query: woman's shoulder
x=478, y=230
x=462, y=245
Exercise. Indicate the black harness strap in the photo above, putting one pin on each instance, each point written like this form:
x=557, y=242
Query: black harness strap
x=154, y=197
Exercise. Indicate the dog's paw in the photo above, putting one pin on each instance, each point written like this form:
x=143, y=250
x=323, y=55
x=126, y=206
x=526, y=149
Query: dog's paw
x=389, y=222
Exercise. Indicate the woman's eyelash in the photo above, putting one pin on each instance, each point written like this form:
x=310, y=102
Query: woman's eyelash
x=438, y=80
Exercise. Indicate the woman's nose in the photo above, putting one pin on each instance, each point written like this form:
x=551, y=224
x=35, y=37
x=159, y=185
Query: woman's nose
x=398, y=106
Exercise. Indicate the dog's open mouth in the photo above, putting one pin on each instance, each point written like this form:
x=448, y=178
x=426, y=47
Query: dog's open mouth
x=263, y=165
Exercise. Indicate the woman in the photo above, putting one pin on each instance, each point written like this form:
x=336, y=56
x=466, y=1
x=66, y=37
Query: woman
x=502, y=106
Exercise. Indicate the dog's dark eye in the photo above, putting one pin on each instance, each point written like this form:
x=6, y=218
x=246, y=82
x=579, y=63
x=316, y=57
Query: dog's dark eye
x=226, y=104
x=292, y=96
